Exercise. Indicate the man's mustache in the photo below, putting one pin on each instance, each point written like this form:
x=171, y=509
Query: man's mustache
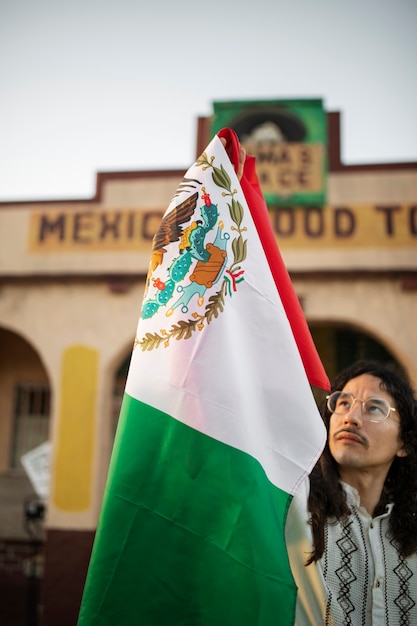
x=354, y=432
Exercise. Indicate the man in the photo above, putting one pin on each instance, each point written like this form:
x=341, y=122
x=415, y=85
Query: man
x=352, y=531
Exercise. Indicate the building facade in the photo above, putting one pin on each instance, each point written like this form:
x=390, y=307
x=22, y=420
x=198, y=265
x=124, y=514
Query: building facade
x=72, y=276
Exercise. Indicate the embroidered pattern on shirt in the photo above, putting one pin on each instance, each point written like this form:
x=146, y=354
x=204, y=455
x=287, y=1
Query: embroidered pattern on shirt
x=403, y=601
x=345, y=572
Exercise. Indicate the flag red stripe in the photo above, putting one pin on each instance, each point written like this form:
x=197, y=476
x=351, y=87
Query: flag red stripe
x=256, y=202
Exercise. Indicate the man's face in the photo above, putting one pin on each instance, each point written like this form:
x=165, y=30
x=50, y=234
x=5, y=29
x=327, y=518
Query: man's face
x=359, y=445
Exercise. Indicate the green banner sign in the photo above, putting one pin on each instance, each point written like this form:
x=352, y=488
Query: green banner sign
x=288, y=139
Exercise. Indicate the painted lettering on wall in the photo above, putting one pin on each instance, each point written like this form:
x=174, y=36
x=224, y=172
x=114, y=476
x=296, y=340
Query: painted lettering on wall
x=348, y=226
x=367, y=226
x=93, y=230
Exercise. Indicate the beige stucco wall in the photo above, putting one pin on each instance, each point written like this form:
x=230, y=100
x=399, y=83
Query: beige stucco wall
x=70, y=294
x=387, y=187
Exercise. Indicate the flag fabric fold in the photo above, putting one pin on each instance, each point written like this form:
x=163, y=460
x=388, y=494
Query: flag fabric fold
x=218, y=424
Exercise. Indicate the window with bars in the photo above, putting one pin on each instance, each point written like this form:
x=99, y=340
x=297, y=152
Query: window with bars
x=31, y=419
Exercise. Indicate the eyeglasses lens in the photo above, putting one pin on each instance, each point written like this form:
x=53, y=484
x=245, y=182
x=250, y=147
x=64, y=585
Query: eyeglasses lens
x=373, y=409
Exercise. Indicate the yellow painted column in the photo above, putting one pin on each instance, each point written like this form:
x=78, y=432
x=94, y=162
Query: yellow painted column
x=72, y=487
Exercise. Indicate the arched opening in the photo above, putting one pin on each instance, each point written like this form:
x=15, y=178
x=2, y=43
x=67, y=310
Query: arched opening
x=340, y=345
x=25, y=397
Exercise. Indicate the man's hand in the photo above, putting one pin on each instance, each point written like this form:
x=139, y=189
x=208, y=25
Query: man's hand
x=242, y=158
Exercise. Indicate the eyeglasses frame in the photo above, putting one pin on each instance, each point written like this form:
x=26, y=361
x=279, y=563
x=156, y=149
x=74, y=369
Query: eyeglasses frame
x=362, y=402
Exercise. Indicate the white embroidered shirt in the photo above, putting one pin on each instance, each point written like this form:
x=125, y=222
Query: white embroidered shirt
x=361, y=580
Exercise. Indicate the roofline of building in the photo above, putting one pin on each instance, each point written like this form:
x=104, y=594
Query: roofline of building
x=203, y=134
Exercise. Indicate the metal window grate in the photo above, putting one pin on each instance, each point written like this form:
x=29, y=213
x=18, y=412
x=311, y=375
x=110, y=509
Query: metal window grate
x=31, y=419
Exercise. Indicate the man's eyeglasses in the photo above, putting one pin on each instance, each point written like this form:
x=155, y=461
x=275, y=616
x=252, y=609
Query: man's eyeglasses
x=373, y=409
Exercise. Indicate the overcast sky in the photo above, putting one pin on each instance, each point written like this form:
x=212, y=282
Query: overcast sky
x=91, y=85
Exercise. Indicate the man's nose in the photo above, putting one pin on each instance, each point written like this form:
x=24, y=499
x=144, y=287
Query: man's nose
x=354, y=414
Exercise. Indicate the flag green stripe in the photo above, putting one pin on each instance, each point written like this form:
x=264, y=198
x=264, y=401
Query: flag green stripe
x=193, y=518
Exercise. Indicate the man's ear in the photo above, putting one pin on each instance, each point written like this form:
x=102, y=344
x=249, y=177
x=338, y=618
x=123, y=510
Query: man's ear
x=402, y=452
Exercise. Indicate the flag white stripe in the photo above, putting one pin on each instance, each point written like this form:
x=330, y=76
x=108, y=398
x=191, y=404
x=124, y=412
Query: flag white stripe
x=264, y=402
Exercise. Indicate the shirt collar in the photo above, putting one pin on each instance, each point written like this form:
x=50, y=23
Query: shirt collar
x=353, y=499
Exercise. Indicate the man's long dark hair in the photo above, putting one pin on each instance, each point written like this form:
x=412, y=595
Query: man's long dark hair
x=327, y=498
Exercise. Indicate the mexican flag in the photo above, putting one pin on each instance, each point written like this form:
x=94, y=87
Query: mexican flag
x=218, y=424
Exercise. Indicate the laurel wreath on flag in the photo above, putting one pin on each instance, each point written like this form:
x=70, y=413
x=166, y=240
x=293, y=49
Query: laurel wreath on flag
x=184, y=329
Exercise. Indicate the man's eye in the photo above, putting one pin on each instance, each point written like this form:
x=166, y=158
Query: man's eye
x=374, y=407
x=343, y=404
